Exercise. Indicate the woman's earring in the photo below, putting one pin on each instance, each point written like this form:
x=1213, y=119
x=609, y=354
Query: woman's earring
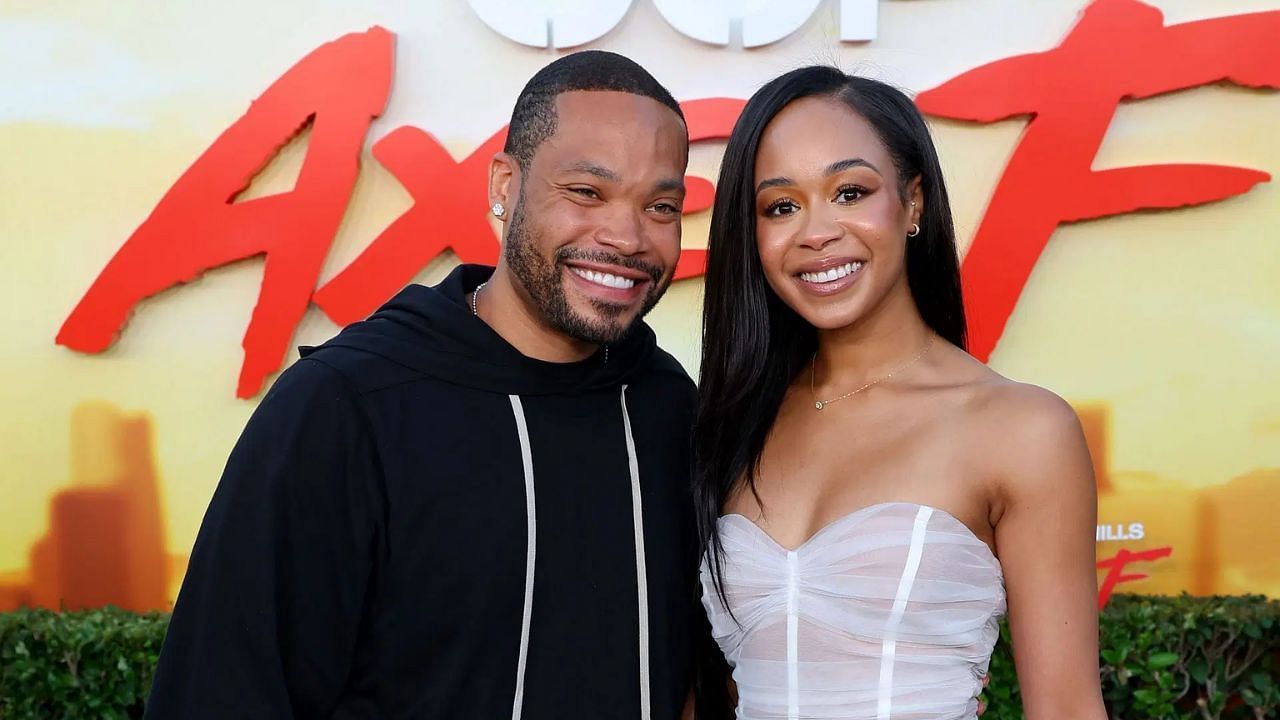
x=498, y=209
x=914, y=231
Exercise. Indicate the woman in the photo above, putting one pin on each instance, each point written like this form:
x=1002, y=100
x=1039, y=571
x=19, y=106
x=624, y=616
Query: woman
x=871, y=498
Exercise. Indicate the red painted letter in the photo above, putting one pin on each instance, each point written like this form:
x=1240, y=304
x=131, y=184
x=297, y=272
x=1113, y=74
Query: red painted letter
x=1115, y=570
x=450, y=211
x=197, y=226
x=709, y=119
x=1120, y=50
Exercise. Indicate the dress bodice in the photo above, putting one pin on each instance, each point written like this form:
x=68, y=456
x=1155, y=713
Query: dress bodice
x=888, y=612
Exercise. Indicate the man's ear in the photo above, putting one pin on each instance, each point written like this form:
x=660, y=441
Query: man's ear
x=504, y=185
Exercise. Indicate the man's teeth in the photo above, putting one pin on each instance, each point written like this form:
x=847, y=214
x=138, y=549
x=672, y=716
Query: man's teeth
x=605, y=279
x=831, y=275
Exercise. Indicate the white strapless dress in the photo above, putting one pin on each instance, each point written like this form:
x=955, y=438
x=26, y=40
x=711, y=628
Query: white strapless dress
x=889, y=612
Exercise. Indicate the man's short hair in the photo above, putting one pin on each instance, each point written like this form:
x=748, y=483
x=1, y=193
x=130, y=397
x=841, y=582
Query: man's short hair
x=534, y=118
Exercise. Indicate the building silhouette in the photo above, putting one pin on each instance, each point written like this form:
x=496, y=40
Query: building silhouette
x=105, y=539
x=1242, y=535
x=1223, y=539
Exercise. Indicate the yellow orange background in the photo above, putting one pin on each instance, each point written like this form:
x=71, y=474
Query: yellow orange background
x=1164, y=328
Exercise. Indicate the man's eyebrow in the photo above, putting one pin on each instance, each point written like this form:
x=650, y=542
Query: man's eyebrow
x=670, y=185
x=598, y=170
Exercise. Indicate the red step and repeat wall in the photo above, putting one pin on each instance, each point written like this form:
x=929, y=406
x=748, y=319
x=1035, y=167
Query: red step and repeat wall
x=189, y=192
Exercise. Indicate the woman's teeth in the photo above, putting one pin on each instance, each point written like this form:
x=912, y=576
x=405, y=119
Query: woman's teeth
x=605, y=279
x=831, y=275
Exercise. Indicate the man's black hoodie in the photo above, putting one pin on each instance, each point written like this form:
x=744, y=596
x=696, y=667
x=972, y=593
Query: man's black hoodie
x=421, y=522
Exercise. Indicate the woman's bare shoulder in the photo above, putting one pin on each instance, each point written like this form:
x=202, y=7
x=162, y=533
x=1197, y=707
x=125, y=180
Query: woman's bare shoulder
x=1020, y=429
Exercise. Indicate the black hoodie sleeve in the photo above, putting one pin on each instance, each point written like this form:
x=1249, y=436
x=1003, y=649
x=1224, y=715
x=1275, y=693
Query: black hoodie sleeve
x=267, y=620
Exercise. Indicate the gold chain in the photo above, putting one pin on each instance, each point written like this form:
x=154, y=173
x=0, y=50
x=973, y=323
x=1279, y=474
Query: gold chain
x=813, y=371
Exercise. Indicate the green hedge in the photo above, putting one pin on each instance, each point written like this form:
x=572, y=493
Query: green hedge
x=1163, y=658
x=1166, y=658
x=90, y=664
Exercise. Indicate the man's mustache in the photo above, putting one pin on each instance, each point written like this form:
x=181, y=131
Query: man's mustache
x=607, y=258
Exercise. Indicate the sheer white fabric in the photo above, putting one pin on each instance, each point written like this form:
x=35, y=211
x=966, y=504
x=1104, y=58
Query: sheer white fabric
x=889, y=612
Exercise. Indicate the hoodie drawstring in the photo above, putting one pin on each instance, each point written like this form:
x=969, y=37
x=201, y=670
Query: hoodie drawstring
x=531, y=517
x=642, y=577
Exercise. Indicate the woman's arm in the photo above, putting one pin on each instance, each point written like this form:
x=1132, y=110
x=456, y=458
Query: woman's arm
x=1046, y=517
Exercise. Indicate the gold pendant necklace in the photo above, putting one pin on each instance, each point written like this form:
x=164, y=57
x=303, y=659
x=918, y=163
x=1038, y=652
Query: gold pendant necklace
x=813, y=371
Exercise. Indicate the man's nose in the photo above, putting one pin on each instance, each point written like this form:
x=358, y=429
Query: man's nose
x=623, y=232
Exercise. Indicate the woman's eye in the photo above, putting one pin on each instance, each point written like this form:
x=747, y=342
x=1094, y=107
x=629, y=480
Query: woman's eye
x=850, y=194
x=780, y=207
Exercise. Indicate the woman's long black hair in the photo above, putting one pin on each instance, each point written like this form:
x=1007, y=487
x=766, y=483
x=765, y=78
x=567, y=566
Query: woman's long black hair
x=753, y=345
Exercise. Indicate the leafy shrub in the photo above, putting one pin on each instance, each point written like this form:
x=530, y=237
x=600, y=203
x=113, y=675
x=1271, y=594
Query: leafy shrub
x=1167, y=658
x=1163, y=658
x=89, y=664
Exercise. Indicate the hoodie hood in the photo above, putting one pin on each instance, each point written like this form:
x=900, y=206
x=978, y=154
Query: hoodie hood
x=432, y=330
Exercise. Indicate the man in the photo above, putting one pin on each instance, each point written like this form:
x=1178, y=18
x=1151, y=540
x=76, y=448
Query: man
x=474, y=503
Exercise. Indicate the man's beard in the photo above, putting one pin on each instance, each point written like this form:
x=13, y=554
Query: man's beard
x=541, y=278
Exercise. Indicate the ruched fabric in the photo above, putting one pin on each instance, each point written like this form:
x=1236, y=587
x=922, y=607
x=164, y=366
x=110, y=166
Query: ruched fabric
x=888, y=612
